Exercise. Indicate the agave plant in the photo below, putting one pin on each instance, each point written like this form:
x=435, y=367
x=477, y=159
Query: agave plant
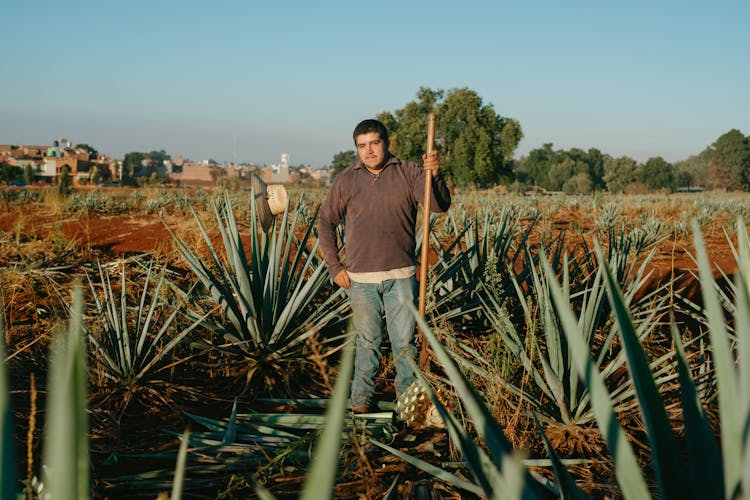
x=705, y=470
x=271, y=299
x=65, y=471
x=732, y=370
x=486, y=241
x=498, y=469
x=558, y=393
x=132, y=344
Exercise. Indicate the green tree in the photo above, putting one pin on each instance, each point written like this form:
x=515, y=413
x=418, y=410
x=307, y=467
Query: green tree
x=580, y=183
x=131, y=165
x=343, y=159
x=88, y=148
x=476, y=145
x=619, y=172
x=28, y=175
x=134, y=166
x=595, y=161
x=657, y=173
x=554, y=170
x=719, y=176
x=9, y=173
x=563, y=170
x=731, y=151
x=66, y=181
x=534, y=168
x=159, y=157
x=94, y=175
x=407, y=126
x=692, y=172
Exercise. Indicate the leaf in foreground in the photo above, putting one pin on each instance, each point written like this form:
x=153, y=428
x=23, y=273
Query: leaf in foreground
x=322, y=474
x=66, y=453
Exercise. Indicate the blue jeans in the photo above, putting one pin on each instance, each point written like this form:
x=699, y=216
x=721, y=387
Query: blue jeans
x=371, y=302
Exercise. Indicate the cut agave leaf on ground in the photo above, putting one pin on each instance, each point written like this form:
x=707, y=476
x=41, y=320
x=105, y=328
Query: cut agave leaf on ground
x=433, y=470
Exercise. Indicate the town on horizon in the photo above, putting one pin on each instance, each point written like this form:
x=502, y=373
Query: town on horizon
x=47, y=164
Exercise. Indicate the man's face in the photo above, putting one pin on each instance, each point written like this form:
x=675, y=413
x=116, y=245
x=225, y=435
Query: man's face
x=372, y=150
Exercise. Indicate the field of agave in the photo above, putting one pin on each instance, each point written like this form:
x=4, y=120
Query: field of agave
x=157, y=342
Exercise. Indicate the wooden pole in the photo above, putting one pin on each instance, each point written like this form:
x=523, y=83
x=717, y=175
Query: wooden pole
x=423, y=359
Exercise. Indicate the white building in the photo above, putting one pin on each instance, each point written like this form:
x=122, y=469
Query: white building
x=280, y=172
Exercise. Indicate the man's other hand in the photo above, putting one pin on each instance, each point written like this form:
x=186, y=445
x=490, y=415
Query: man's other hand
x=342, y=279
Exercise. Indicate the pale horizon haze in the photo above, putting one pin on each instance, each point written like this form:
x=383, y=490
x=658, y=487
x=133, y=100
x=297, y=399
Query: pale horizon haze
x=250, y=80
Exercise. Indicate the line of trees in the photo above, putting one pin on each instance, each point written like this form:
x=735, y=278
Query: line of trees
x=577, y=171
x=477, y=148
x=725, y=164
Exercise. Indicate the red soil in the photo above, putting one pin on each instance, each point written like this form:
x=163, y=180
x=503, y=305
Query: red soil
x=130, y=234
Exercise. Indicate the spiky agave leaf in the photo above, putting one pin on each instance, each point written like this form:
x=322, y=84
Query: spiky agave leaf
x=486, y=243
x=268, y=299
x=501, y=470
x=703, y=454
x=66, y=452
x=627, y=470
x=321, y=477
x=743, y=339
x=732, y=378
x=670, y=471
x=550, y=365
x=134, y=342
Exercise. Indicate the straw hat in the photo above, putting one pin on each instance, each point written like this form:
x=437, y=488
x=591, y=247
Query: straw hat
x=277, y=198
x=270, y=201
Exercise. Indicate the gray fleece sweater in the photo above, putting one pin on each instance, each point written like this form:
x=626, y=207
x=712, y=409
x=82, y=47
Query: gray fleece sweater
x=379, y=214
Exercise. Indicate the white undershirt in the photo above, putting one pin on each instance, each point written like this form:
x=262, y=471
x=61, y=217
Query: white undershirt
x=381, y=276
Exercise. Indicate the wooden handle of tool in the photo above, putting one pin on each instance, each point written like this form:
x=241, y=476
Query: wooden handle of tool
x=423, y=359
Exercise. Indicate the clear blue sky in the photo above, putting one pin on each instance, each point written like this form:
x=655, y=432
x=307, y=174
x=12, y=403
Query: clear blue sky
x=252, y=79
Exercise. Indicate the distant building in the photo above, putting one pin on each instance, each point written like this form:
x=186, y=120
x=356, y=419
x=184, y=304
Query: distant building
x=195, y=174
x=48, y=162
x=319, y=174
x=277, y=173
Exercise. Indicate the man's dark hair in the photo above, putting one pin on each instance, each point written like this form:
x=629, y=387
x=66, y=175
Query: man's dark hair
x=367, y=126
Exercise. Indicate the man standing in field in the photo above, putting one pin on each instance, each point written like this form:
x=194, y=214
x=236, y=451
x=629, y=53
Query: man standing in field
x=376, y=200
